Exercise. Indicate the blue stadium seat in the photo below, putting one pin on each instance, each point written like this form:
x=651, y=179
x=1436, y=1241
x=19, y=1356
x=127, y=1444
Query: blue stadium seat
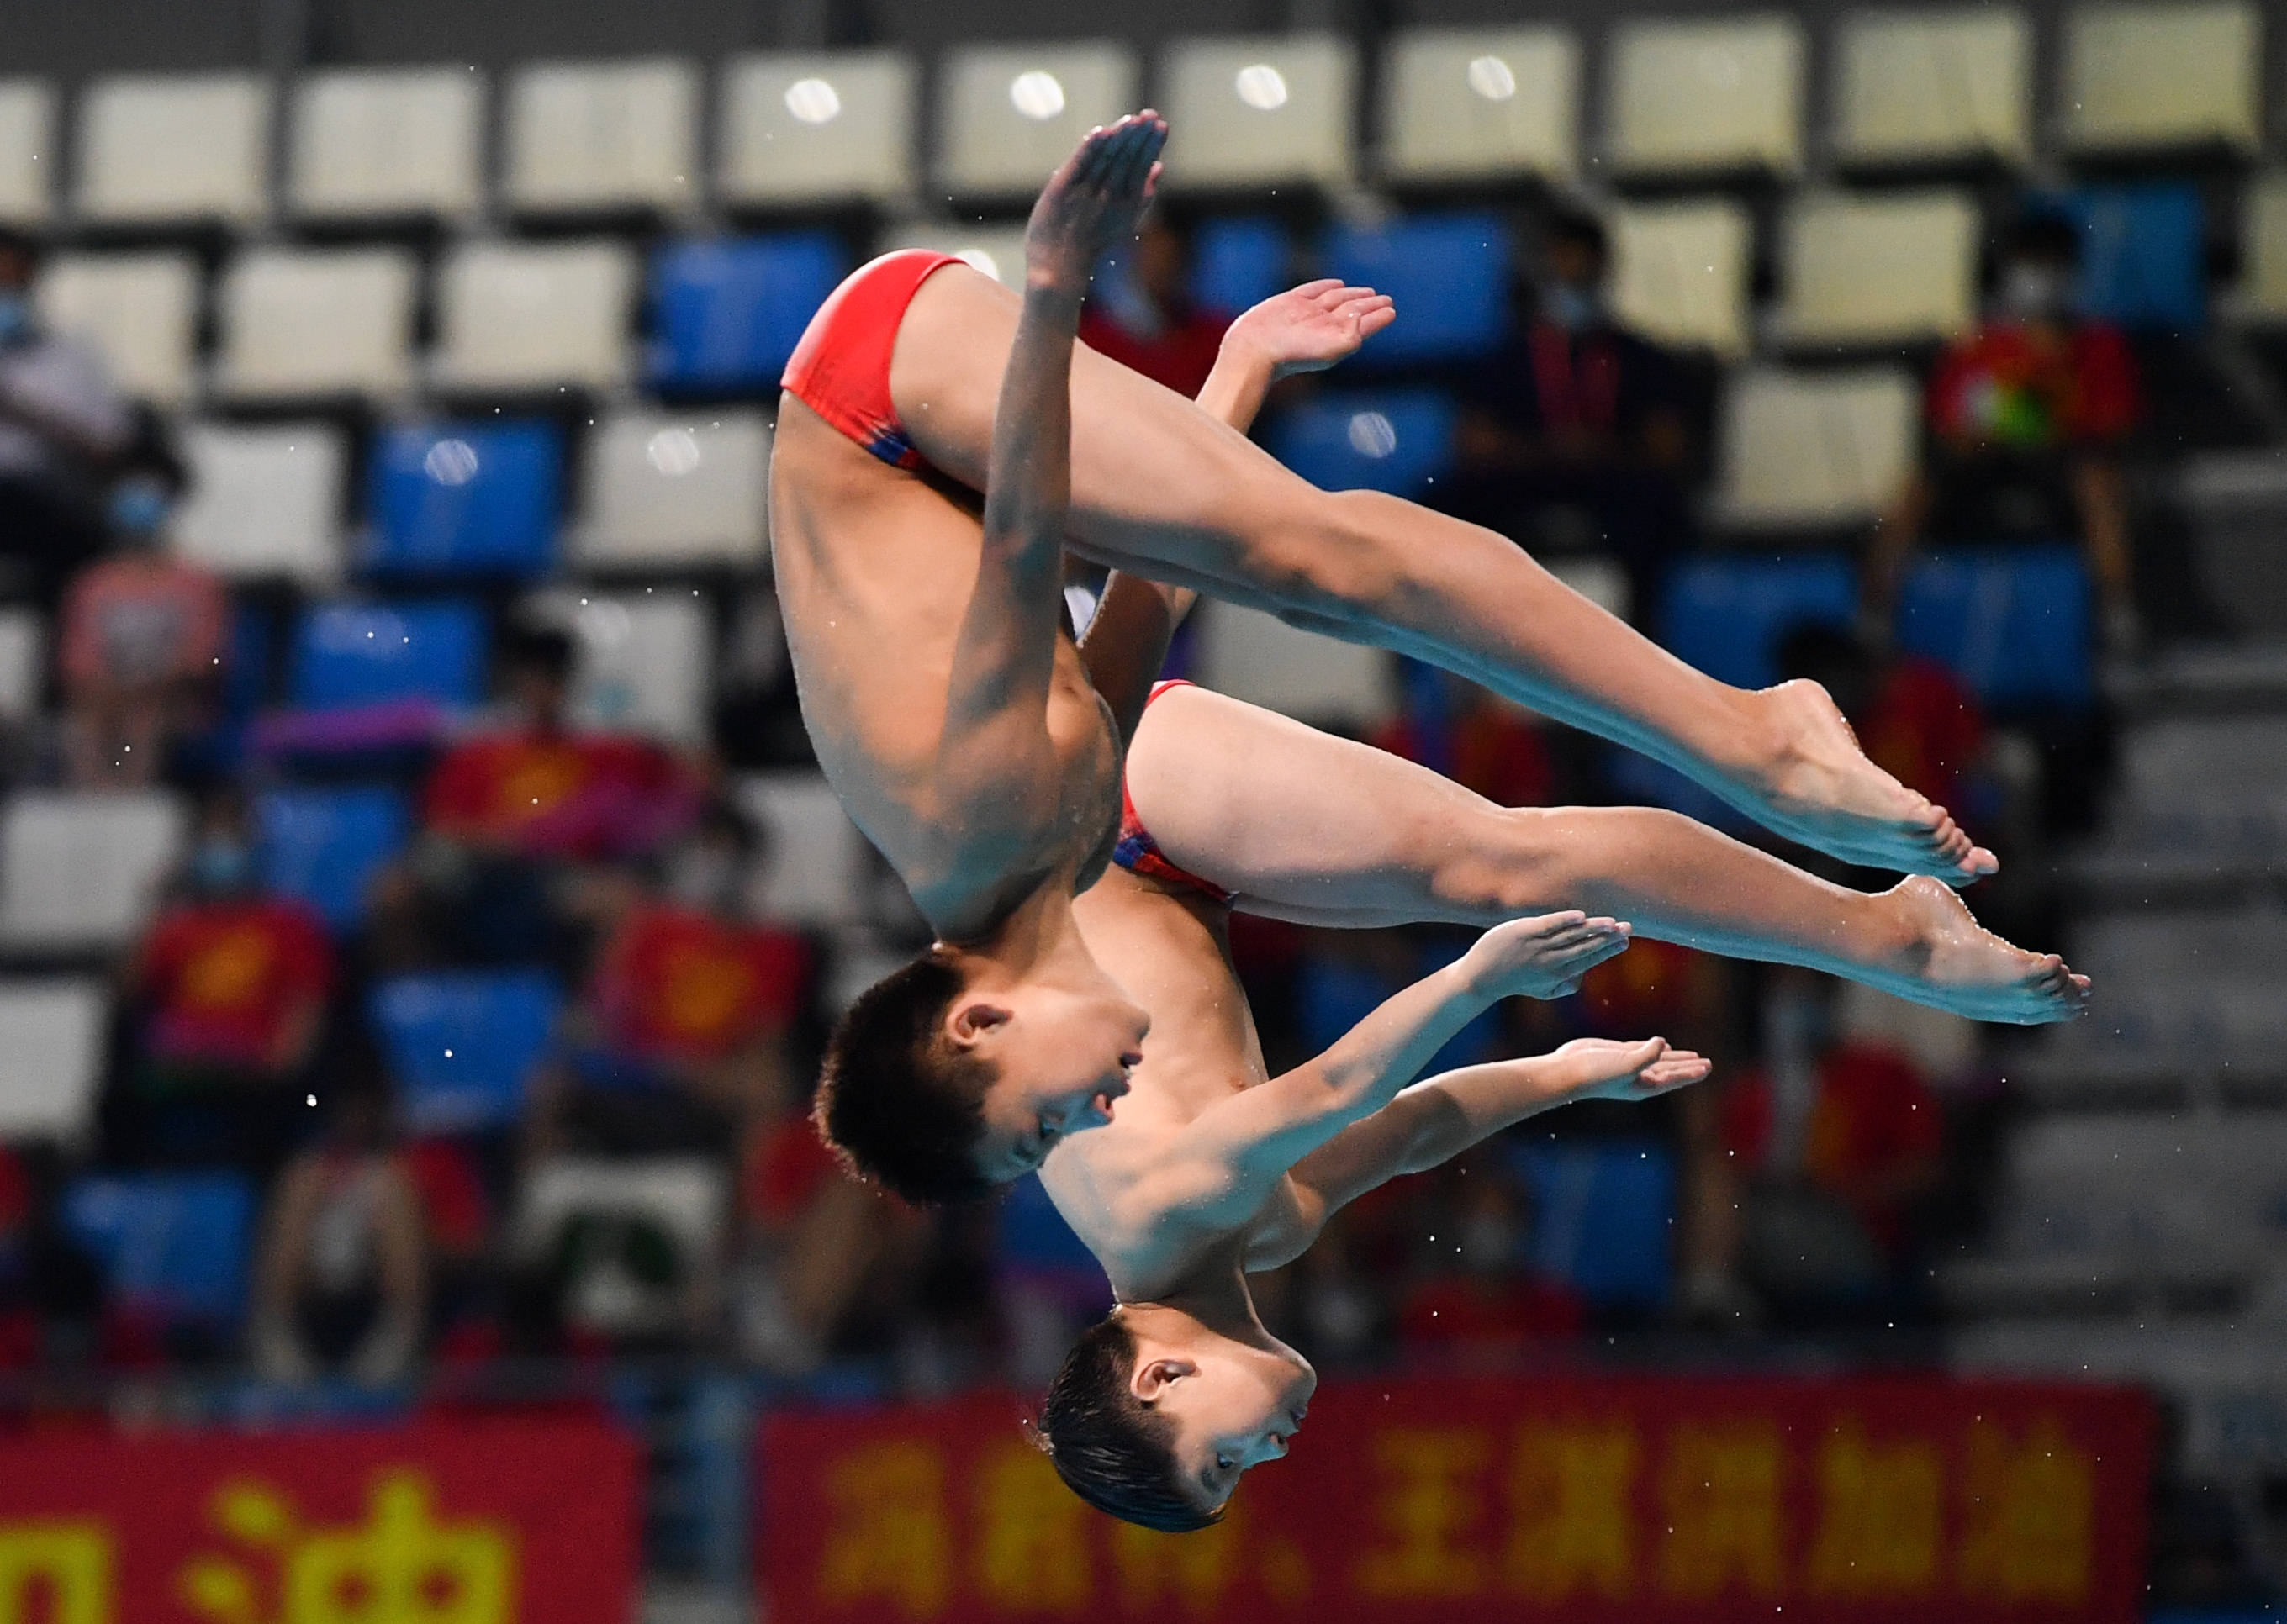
x=353, y=654
x=2012, y=623
x=1393, y=440
x=2143, y=253
x=462, y=498
x=462, y=1045
x=1031, y=1236
x=1602, y=1216
x=173, y=1245
x=1727, y=616
x=727, y=313
x=1239, y=261
x=323, y=845
x=1449, y=273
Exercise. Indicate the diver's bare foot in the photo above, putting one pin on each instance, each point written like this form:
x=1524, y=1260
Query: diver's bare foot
x=1951, y=962
x=1821, y=789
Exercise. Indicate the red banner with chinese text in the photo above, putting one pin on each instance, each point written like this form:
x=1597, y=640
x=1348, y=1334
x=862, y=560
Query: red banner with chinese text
x=481, y=1522
x=1591, y=1501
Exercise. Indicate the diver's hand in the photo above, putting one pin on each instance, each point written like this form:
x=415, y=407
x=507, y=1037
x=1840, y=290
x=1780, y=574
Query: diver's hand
x=1093, y=202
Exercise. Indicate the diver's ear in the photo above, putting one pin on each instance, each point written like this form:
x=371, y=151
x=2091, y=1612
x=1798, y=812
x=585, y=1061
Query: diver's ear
x=971, y=1019
x=1154, y=1377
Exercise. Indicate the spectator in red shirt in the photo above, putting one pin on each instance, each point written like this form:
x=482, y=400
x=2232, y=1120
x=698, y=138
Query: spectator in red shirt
x=2025, y=419
x=1148, y=321
x=1478, y=1300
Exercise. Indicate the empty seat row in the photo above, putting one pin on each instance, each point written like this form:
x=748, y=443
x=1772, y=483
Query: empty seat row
x=1683, y=98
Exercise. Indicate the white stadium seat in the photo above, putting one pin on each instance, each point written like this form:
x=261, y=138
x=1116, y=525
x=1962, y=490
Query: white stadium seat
x=815, y=871
x=1256, y=110
x=388, y=143
x=23, y=663
x=2148, y=77
x=28, y=151
x=997, y=251
x=1924, y=86
x=1254, y=657
x=584, y=137
x=532, y=316
x=819, y=127
x=1008, y=114
x=1679, y=273
x=646, y=660
x=139, y=309
x=1480, y=104
x=685, y=1200
x=1809, y=449
x=80, y=871
x=1702, y=97
x=315, y=322
x=52, y=1030
x=175, y=150
x=667, y=491
x=2263, y=234
x=1883, y=269
x=266, y=501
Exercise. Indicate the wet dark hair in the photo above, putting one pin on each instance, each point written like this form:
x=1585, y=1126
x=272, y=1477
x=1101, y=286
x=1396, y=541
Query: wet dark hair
x=897, y=1101
x=1111, y=1448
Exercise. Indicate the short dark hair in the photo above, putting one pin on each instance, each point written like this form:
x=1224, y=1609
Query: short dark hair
x=1111, y=1448
x=2043, y=234
x=529, y=645
x=897, y=1101
x=1570, y=224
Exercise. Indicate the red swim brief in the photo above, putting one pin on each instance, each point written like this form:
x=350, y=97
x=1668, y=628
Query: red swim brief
x=840, y=368
x=1138, y=853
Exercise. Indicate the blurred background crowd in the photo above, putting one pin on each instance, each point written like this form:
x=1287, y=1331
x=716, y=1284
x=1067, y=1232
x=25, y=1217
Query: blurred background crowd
x=420, y=915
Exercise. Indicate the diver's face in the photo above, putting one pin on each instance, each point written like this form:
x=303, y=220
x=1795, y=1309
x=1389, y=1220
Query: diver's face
x=1061, y=1058
x=1234, y=1406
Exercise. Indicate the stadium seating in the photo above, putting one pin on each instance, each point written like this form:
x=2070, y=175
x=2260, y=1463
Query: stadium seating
x=727, y=313
x=2011, y=624
x=52, y=1030
x=1449, y=273
x=1259, y=658
x=174, y=150
x=2145, y=77
x=1602, y=1217
x=462, y=499
x=1805, y=450
x=2143, y=253
x=325, y=845
x=1479, y=105
x=822, y=127
x=1393, y=440
x=522, y=318
x=636, y=1238
x=266, y=501
x=79, y=871
x=28, y=145
x=1260, y=111
x=601, y=137
x=2263, y=238
x=2210, y=786
x=646, y=660
x=1679, y=273
x=815, y=863
x=1238, y=261
x=1864, y=270
x=387, y=143
x=1705, y=97
x=462, y=1045
x=175, y=1247
x=673, y=491
x=23, y=662
x=349, y=655
x=1037, y=1259
x=997, y=251
x=1727, y=616
x=301, y=323
x=140, y=310
x=1915, y=88
x=1008, y=114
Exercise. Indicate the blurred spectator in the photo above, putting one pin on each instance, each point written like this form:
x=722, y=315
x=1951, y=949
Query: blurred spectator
x=514, y=811
x=48, y=1284
x=1475, y=1299
x=681, y=1042
x=1912, y=718
x=2026, y=416
x=1147, y=320
x=1576, y=434
x=341, y=1282
x=62, y=421
x=143, y=632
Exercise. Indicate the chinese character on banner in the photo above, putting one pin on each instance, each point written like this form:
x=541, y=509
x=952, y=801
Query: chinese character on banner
x=1881, y=1512
x=67, y=1562
x=1432, y=1504
x=2029, y=1515
x=1572, y=1499
x=1719, y=1491
x=1032, y=1535
x=1193, y=1570
x=888, y=1534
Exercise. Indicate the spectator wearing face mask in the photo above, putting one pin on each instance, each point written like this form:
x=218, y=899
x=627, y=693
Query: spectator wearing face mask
x=2025, y=417
x=63, y=423
x=1575, y=435
x=1148, y=321
x=143, y=632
